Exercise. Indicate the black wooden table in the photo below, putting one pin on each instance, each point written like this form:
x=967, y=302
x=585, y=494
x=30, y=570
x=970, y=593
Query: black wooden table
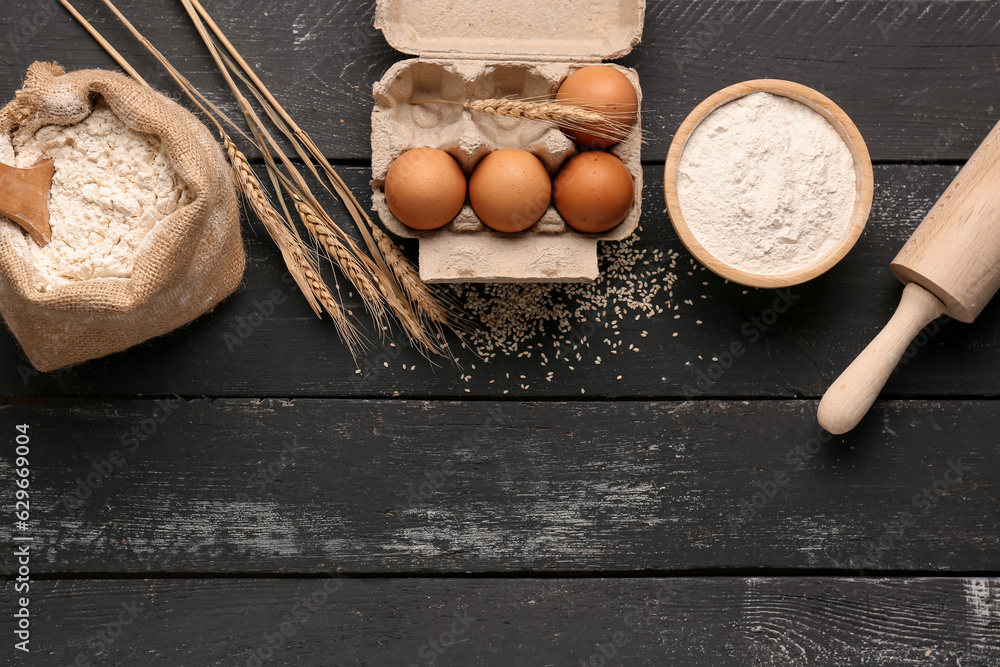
x=198, y=502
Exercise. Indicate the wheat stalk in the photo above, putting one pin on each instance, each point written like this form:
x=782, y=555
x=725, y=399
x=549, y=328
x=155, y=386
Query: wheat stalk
x=368, y=282
x=252, y=189
x=385, y=280
x=351, y=264
x=410, y=299
x=563, y=114
x=416, y=290
x=301, y=267
x=365, y=274
x=295, y=254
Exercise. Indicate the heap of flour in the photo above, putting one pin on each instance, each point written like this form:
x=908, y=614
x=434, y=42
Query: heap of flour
x=766, y=184
x=111, y=186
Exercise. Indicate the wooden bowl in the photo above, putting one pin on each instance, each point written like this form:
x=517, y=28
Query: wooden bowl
x=845, y=128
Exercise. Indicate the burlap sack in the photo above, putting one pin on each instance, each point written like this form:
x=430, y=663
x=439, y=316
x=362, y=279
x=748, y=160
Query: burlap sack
x=188, y=262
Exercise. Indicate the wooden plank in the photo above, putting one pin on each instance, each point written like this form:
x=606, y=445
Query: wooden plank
x=312, y=486
x=696, y=622
x=233, y=351
x=918, y=77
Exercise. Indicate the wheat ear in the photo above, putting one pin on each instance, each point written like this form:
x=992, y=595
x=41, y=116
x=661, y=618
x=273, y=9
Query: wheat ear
x=417, y=292
x=560, y=114
x=385, y=277
x=348, y=262
x=301, y=267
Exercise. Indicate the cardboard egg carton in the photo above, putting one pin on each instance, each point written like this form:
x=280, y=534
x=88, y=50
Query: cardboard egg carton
x=469, y=51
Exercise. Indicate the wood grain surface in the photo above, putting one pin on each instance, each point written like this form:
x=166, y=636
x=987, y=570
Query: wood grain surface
x=660, y=505
x=377, y=487
x=695, y=622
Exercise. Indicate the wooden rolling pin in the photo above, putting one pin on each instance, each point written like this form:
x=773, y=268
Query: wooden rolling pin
x=24, y=197
x=950, y=265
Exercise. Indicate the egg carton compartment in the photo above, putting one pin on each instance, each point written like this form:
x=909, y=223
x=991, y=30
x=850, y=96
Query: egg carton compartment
x=465, y=250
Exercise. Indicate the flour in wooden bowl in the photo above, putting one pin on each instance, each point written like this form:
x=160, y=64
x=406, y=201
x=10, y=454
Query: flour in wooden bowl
x=111, y=186
x=767, y=185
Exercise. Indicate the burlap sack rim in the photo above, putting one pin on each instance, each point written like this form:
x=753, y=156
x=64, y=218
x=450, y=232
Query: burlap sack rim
x=158, y=248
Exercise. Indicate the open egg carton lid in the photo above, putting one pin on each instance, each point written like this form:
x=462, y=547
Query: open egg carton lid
x=535, y=30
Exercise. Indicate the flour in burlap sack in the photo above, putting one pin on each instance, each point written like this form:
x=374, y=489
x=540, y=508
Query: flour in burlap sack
x=185, y=264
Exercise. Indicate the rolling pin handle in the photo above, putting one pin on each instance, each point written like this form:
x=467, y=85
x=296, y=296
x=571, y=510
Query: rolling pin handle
x=853, y=393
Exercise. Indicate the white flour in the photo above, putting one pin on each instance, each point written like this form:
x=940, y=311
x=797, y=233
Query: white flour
x=766, y=184
x=111, y=186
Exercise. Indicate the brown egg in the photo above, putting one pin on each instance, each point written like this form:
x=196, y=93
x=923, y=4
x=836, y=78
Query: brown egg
x=425, y=188
x=593, y=192
x=510, y=190
x=606, y=90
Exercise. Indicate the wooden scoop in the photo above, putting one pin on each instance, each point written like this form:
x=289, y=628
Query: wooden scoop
x=950, y=265
x=24, y=198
